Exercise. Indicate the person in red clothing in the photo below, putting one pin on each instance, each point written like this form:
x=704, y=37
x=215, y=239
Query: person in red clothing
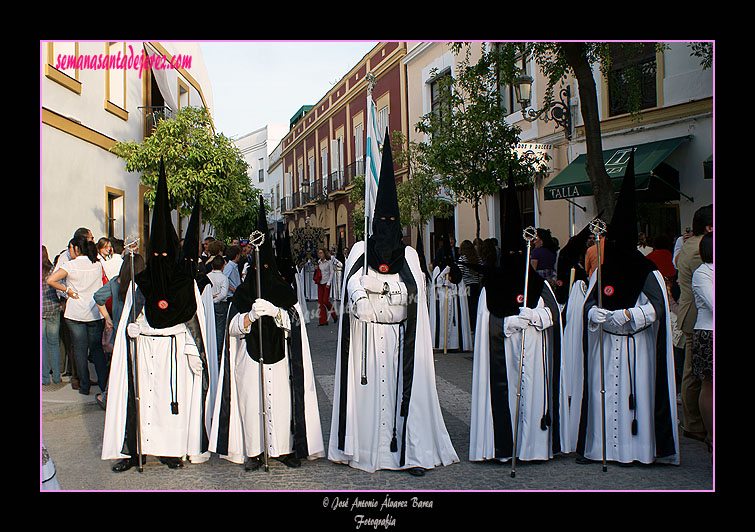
x=661, y=256
x=326, y=269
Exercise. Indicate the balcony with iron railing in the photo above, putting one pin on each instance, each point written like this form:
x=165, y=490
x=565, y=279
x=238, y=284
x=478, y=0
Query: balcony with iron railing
x=287, y=204
x=322, y=189
x=152, y=115
x=352, y=170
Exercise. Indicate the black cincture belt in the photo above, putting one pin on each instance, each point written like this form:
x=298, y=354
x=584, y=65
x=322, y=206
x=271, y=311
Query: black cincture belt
x=173, y=370
x=632, y=379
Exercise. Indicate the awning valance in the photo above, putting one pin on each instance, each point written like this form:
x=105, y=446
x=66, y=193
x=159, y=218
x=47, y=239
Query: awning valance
x=649, y=163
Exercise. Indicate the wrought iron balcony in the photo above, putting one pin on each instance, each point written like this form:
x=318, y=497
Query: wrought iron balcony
x=153, y=115
x=354, y=169
x=335, y=182
x=287, y=204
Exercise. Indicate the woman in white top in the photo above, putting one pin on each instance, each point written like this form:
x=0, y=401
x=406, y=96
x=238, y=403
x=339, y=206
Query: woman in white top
x=702, y=341
x=83, y=277
x=326, y=265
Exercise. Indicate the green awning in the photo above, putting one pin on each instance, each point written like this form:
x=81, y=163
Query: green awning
x=649, y=163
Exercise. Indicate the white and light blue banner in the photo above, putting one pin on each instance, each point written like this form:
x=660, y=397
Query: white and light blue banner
x=371, y=164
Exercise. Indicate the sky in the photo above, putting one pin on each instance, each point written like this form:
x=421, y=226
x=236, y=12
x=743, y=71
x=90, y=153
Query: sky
x=260, y=83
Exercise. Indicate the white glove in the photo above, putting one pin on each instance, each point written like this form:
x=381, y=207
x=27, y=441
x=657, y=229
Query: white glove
x=619, y=317
x=365, y=312
x=515, y=323
x=445, y=271
x=252, y=315
x=133, y=330
x=371, y=284
x=262, y=307
x=195, y=364
x=598, y=315
x=529, y=314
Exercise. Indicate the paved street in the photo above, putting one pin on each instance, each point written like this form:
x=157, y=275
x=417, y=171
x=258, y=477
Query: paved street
x=72, y=424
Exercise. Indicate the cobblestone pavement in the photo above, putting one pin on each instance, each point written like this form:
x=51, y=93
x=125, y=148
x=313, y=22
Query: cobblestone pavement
x=71, y=426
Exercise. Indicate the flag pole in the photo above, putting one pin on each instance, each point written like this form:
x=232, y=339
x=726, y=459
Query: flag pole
x=371, y=82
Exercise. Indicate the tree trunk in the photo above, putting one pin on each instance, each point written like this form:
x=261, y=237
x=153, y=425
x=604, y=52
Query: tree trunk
x=477, y=216
x=602, y=185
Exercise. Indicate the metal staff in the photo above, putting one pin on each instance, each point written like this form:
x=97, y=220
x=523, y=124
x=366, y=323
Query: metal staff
x=371, y=82
x=529, y=235
x=255, y=240
x=598, y=227
x=131, y=244
x=364, y=323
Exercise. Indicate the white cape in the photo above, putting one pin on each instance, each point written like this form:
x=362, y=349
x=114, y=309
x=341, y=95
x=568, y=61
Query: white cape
x=369, y=411
x=533, y=442
x=458, y=327
x=618, y=358
x=571, y=352
x=162, y=433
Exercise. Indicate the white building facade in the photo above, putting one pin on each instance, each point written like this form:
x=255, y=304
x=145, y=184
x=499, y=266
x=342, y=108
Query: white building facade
x=93, y=95
x=257, y=150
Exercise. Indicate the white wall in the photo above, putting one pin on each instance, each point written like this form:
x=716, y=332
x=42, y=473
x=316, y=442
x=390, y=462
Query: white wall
x=74, y=174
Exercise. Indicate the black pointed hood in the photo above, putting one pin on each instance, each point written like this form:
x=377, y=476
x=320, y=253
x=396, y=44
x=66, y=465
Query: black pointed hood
x=189, y=258
x=274, y=288
x=421, y=255
x=167, y=287
x=385, y=247
x=625, y=268
x=190, y=248
x=286, y=265
x=568, y=258
x=339, y=252
x=505, y=284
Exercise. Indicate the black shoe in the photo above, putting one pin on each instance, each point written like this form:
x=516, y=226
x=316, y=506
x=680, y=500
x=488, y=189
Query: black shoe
x=322, y=324
x=253, y=463
x=417, y=472
x=126, y=464
x=289, y=460
x=582, y=460
x=335, y=320
x=172, y=462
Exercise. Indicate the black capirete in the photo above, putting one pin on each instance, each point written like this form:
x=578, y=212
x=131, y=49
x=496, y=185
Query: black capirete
x=274, y=289
x=167, y=287
x=568, y=258
x=189, y=257
x=504, y=285
x=625, y=268
x=385, y=247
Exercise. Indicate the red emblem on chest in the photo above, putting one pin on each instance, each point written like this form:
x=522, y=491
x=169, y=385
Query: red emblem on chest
x=383, y=268
x=162, y=304
x=608, y=290
x=520, y=298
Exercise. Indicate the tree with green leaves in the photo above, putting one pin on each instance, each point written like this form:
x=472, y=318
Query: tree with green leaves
x=199, y=165
x=419, y=197
x=472, y=145
x=557, y=60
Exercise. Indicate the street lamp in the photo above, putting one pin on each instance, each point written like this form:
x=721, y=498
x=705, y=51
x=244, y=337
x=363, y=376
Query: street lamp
x=557, y=111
